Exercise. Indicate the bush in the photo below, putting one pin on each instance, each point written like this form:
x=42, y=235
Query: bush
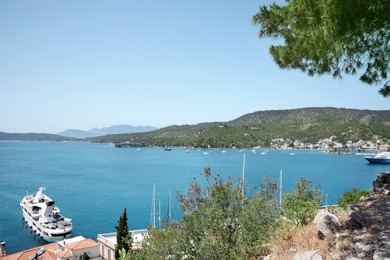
x=301, y=205
x=218, y=223
x=352, y=197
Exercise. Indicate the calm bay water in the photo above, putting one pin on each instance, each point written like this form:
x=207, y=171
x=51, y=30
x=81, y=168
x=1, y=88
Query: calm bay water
x=92, y=183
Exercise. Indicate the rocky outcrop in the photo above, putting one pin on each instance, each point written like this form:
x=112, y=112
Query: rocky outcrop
x=382, y=183
x=326, y=223
x=367, y=230
x=309, y=255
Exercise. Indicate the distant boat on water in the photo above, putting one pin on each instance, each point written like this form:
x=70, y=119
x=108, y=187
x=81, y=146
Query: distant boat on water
x=167, y=149
x=380, y=158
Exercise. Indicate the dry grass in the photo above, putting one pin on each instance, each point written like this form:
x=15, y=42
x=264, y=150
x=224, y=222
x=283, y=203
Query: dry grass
x=301, y=240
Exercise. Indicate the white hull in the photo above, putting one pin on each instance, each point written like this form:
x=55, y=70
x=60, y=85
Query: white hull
x=40, y=214
x=39, y=230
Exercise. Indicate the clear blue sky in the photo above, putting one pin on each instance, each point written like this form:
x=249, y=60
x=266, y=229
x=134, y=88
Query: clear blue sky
x=92, y=63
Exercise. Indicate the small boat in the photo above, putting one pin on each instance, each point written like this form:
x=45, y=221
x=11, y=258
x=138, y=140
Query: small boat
x=380, y=158
x=167, y=149
x=2, y=250
x=44, y=218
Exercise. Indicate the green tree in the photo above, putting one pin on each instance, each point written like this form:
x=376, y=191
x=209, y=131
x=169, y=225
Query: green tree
x=218, y=222
x=123, y=236
x=331, y=37
x=85, y=256
x=301, y=204
x=352, y=197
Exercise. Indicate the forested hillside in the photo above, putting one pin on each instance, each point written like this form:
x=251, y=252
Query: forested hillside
x=259, y=128
x=33, y=137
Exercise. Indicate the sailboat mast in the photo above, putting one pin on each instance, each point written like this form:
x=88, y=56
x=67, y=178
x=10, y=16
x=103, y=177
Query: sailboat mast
x=170, y=207
x=153, y=208
x=280, y=186
x=243, y=175
x=159, y=213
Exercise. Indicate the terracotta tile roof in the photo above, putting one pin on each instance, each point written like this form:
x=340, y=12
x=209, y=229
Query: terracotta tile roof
x=51, y=250
x=65, y=253
x=24, y=255
x=86, y=243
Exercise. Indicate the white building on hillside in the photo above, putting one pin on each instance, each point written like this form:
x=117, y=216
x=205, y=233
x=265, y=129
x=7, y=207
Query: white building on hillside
x=107, y=242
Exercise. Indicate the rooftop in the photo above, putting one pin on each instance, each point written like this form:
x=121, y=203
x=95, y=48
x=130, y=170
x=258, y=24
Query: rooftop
x=53, y=251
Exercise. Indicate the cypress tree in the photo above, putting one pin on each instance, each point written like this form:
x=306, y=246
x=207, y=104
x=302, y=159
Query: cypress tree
x=123, y=237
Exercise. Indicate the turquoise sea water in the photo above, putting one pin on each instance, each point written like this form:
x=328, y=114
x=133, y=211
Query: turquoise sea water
x=92, y=183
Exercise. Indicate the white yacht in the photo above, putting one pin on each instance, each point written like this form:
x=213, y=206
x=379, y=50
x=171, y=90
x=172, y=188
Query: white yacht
x=44, y=218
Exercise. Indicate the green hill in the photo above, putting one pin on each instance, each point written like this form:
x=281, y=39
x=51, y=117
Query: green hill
x=259, y=128
x=33, y=137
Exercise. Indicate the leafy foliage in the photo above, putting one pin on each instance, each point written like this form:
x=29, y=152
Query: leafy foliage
x=123, y=236
x=218, y=223
x=352, y=197
x=85, y=256
x=330, y=37
x=300, y=205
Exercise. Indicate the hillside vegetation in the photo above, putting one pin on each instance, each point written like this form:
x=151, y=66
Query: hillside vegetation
x=33, y=137
x=259, y=128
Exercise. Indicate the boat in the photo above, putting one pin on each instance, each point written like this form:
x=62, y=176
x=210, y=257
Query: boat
x=167, y=149
x=2, y=250
x=42, y=215
x=380, y=158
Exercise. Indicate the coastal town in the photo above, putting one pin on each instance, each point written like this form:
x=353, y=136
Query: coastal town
x=76, y=248
x=331, y=145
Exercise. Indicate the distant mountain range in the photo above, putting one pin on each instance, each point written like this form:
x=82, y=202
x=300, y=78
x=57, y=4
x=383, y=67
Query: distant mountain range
x=76, y=135
x=33, y=137
x=115, y=129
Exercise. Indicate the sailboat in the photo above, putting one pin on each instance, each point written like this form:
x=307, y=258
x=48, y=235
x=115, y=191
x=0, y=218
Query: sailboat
x=169, y=218
x=153, y=208
x=2, y=244
x=243, y=176
x=280, y=187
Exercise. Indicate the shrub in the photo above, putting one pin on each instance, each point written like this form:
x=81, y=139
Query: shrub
x=352, y=197
x=301, y=205
x=218, y=223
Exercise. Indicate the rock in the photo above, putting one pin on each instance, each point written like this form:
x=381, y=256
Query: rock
x=326, y=223
x=308, y=255
x=363, y=250
x=383, y=253
x=357, y=220
x=382, y=183
x=367, y=234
